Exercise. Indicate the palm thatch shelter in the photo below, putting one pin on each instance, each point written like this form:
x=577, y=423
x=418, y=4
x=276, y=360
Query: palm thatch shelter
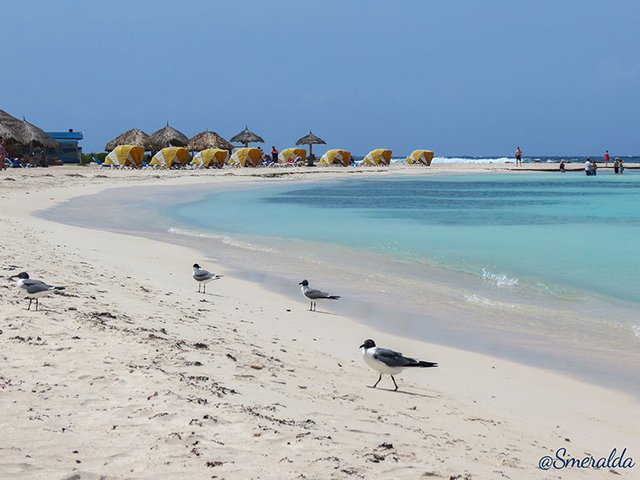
x=9, y=135
x=34, y=136
x=246, y=137
x=10, y=128
x=134, y=136
x=168, y=137
x=310, y=140
x=207, y=139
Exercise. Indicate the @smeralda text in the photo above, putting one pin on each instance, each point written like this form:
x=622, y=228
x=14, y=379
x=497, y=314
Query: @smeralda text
x=563, y=459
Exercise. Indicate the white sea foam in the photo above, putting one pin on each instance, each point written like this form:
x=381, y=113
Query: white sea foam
x=636, y=330
x=193, y=233
x=226, y=239
x=499, y=280
x=472, y=160
x=486, y=302
x=462, y=160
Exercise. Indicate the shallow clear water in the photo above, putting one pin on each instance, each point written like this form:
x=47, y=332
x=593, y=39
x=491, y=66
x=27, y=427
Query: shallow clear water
x=546, y=231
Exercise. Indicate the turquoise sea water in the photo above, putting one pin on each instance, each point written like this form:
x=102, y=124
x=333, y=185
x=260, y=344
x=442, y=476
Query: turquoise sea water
x=541, y=268
x=562, y=233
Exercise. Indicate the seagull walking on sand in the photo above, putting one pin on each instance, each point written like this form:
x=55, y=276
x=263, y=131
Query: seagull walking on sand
x=203, y=277
x=388, y=362
x=312, y=294
x=33, y=288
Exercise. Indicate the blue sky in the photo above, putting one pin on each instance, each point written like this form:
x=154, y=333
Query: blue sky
x=459, y=77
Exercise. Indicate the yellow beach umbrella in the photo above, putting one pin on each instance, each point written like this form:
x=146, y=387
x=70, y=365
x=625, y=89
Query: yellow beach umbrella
x=170, y=155
x=210, y=157
x=289, y=155
x=125, y=155
x=336, y=156
x=246, y=157
x=420, y=156
x=379, y=156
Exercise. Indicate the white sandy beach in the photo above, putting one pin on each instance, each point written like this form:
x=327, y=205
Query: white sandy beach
x=130, y=373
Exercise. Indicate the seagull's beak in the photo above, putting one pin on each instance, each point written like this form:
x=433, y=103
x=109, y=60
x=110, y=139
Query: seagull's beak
x=361, y=346
x=300, y=283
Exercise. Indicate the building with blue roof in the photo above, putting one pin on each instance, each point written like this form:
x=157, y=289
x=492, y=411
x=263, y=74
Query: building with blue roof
x=68, y=150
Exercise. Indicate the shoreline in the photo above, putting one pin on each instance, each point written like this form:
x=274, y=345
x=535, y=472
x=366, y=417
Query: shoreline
x=297, y=378
x=246, y=255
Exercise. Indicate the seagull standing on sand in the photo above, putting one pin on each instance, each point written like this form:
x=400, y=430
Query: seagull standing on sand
x=388, y=362
x=313, y=295
x=203, y=277
x=33, y=288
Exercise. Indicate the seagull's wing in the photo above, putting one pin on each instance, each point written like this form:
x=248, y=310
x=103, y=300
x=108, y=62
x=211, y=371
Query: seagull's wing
x=201, y=275
x=313, y=293
x=36, y=287
x=392, y=359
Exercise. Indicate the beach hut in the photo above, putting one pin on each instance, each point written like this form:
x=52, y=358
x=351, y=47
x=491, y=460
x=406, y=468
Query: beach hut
x=379, y=156
x=168, y=137
x=310, y=140
x=246, y=157
x=170, y=155
x=289, y=155
x=423, y=157
x=210, y=157
x=246, y=137
x=134, y=136
x=335, y=156
x=124, y=155
x=207, y=139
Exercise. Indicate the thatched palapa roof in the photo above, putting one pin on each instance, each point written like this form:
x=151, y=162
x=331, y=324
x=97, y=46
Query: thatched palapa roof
x=130, y=137
x=207, y=139
x=32, y=135
x=10, y=130
x=310, y=139
x=9, y=134
x=168, y=137
x=246, y=136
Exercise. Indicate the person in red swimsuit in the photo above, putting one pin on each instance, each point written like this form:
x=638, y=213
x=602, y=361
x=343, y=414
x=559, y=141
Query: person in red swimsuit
x=606, y=158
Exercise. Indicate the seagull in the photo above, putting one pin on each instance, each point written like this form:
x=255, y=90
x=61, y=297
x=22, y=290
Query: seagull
x=388, y=362
x=203, y=277
x=33, y=288
x=313, y=294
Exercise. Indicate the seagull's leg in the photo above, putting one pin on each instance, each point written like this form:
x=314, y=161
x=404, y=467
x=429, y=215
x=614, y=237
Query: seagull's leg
x=36, y=304
x=376, y=384
x=310, y=305
x=204, y=288
x=199, y=287
x=394, y=382
x=29, y=307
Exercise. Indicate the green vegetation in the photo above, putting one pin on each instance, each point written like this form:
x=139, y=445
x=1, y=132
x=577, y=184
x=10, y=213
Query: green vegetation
x=87, y=158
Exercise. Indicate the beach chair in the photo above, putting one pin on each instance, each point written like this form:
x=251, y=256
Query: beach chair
x=99, y=163
x=15, y=163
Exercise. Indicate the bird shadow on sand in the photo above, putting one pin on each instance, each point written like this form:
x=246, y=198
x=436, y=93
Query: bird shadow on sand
x=322, y=312
x=403, y=392
x=211, y=294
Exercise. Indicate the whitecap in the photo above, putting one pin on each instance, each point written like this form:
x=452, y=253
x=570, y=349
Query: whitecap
x=499, y=280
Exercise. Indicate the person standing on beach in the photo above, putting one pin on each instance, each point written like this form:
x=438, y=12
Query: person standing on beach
x=562, y=166
x=606, y=158
x=3, y=154
x=594, y=168
x=274, y=154
x=621, y=167
x=587, y=167
x=518, y=156
x=616, y=166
